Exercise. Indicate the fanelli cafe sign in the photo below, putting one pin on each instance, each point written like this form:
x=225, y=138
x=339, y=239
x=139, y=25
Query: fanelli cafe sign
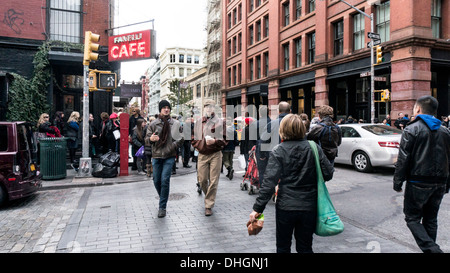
x=132, y=46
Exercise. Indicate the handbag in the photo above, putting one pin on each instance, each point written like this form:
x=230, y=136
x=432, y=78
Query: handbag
x=256, y=226
x=140, y=152
x=328, y=222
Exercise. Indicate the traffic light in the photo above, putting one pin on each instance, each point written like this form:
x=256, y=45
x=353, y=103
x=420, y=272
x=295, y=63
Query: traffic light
x=385, y=95
x=90, y=45
x=379, y=54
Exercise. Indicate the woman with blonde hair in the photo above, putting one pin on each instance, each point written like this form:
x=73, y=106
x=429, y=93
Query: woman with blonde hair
x=292, y=167
x=73, y=128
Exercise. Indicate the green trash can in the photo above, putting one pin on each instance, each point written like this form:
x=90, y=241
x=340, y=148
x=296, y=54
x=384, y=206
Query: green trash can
x=53, y=157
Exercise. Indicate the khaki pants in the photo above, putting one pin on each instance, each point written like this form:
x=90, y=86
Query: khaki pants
x=228, y=159
x=208, y=169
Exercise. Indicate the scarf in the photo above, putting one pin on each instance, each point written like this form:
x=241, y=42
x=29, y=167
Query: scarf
x=165, y=130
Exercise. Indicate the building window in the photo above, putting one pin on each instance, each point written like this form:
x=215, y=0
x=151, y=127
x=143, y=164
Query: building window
x=239, y=42
x=229, y=20
x=338, y=38
x=250, y=67
x=229, y=76
x=358, y=31
x=239, y=73
x=266, y=63
x=229, y=48
x=199, y=91
x=189, y=59
x=234, y=45
x=181, y=58
x=258, y=67
x=196, y=59
x=298, y=9
x=239, y=12
x=251, y=34
x=65, y=20
x=311, y=47
x=266, y=26
x=234, y=75
x=181, y=72
x=172, y=58
x=383, y=21
x=258, y=30
x=436, y=18
x=258, y=3
x=234, y=17
x=286, y=13
x=311, y=5
x=286, y=56
x=298, y=52
x=250, y=5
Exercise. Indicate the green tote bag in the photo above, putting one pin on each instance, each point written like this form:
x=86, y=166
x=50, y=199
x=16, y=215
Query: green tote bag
x=328, y=222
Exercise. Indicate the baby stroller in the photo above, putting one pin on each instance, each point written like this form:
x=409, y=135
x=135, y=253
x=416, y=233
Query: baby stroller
x=251, y=175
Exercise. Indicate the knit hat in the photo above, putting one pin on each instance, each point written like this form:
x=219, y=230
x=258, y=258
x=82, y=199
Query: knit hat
x=113, y=115
x=163, y=104
x=209, y=102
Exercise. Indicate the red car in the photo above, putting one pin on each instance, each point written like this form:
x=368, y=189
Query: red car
x=19, y=176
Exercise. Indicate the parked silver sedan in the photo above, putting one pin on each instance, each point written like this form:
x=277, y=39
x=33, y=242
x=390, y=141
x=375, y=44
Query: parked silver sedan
x=368, y=145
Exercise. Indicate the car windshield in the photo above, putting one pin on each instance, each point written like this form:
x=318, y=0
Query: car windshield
x=382, y=130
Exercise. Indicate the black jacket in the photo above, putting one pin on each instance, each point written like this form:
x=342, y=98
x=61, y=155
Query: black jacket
x=293, y=164
x=329, y=140
x=424, y=154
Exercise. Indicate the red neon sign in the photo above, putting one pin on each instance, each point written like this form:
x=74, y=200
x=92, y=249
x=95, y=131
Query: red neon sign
x=131, y=46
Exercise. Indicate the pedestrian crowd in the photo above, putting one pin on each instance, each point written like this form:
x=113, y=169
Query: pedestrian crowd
x=280, y=149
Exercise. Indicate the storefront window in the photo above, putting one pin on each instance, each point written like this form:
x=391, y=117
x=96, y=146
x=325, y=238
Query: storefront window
x=301, y=101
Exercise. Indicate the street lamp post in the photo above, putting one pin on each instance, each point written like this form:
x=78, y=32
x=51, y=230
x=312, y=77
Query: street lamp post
x=372, y=68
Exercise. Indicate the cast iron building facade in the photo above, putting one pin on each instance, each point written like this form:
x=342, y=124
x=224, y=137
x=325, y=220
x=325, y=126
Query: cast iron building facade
x=312, y=53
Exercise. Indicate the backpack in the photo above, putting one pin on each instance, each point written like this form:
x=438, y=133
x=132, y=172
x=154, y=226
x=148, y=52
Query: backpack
x=327, y=130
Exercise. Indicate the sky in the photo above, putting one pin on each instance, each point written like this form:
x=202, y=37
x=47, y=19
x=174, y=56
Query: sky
x=176, y=22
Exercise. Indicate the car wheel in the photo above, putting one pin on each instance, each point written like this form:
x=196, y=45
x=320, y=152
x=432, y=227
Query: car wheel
x=361, y=162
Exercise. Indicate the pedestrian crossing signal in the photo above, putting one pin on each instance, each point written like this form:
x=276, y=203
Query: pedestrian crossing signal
x=385, y=95
x=107, y=81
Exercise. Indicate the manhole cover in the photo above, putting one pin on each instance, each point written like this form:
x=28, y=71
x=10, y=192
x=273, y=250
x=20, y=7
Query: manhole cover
x=175, y=196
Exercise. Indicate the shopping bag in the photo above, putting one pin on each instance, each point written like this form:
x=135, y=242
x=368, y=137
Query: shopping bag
x=242, y=162
x=254, y=227
x=140, y=152
x=328, y=222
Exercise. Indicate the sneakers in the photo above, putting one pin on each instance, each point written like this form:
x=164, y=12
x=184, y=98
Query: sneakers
x=161, y=213
x=208, y=212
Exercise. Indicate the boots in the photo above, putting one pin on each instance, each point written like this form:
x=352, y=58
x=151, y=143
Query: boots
x=230, y=172
x=149, y=169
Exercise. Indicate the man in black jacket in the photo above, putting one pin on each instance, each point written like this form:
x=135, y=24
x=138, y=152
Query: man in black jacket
x=423, y=161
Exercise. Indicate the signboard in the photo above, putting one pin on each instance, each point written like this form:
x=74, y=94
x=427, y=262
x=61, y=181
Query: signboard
x=374, y=36
x=132, y=46
x=375, y=42
x=130, y=90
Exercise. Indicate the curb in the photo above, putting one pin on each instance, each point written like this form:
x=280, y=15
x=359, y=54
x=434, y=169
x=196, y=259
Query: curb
x=75, y=182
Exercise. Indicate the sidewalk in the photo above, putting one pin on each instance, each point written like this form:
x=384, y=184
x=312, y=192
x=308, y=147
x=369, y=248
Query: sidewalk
x=71, y=181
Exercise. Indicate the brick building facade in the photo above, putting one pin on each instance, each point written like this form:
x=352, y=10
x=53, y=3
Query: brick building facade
x=312, y=53
x=26, y=25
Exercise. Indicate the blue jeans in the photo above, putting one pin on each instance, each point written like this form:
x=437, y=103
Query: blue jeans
x=162, y=170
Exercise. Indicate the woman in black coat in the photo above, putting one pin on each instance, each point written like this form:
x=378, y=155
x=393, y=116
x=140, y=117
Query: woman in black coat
x=292, y=167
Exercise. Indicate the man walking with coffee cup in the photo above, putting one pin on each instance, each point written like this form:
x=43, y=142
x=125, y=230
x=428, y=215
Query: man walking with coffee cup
x=208, y=138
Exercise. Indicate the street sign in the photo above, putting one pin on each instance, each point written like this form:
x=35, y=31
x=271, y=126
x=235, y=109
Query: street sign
x=372, y=35
x=375, y=42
